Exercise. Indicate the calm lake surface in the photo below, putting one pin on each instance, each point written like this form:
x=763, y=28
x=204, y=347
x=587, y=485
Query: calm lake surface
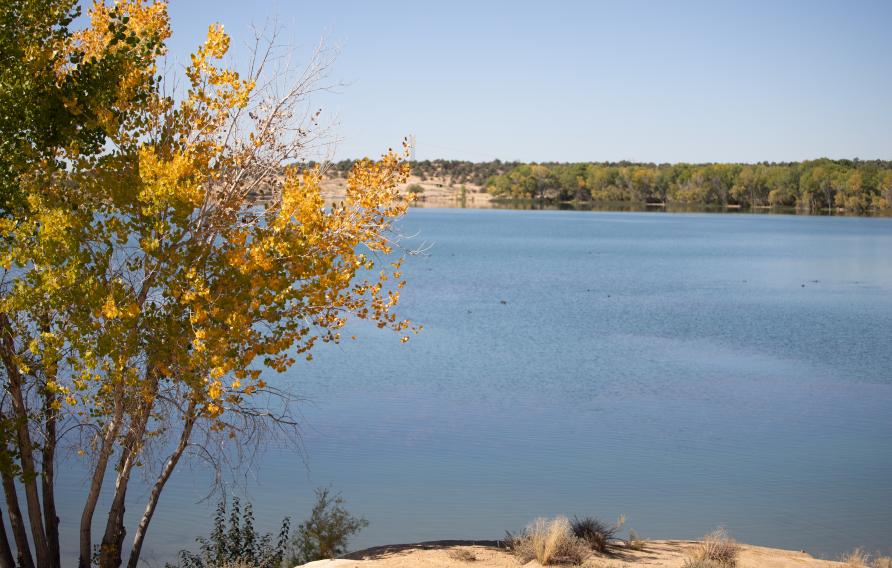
x=686, y=370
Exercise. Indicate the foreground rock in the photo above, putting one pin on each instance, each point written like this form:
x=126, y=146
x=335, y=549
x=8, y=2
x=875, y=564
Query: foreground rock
x=658, y=553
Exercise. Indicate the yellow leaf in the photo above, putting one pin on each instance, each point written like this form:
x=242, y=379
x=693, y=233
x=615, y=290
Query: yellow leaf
x=110, y=309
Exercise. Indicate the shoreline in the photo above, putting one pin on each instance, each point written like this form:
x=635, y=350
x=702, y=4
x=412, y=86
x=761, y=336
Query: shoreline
x=442, y=192
x=489, y=553
x=599, y=207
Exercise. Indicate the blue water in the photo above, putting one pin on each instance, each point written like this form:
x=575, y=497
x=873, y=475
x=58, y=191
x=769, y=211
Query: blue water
x=685, y=370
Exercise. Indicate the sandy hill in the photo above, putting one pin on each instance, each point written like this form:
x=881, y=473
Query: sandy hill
x=432, y=191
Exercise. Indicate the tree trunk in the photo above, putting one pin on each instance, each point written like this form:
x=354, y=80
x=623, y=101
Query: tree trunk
x=113, y=539
x=6, y=560
x=111, y=432
x=110, y=549
x=48, y=453
x=26, y=449
x=50, y=519
x=168, y=468
x=19, y=533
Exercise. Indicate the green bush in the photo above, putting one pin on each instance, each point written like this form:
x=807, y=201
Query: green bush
x=325, y=534
x=237, y=545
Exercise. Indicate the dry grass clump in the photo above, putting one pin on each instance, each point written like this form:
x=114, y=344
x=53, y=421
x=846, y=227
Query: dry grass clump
x=462, y=554
x=856, y=559
x=634, y=542
x=860, y=559
x=716, y=550
x=548, y=542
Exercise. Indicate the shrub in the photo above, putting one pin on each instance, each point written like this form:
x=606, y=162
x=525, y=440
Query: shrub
x=596, y=532
x=547, y=541
x=239, y=545
x=415, y=188
x=520, y=545
x=462, y=554
x=324, y=535
x=718, y=548
x=882, y=562
x=634, y=542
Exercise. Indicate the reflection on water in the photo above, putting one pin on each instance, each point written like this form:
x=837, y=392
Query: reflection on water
x=687, y=371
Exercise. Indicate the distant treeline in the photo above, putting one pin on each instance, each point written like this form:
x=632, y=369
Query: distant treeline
x=852, y=185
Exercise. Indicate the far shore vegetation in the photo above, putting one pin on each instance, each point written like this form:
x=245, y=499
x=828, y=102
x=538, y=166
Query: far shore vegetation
x=814, y=186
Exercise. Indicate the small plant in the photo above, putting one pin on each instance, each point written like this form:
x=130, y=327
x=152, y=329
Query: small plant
x=860, y=559
x=547, y=542
x=718, y=548
x=634, y=542
x=324, y=535
x=520, y=545
x=462, y=554
x=415, y=189
x=596, y=532
x=856, y=559
x=238, y=545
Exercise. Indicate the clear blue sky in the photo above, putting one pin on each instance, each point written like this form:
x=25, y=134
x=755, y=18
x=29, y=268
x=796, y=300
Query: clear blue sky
x=580, y=81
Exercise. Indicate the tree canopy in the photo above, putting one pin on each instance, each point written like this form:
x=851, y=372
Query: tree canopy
x=143, y=289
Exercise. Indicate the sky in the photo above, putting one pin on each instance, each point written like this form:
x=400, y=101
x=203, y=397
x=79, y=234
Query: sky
x=570, y=81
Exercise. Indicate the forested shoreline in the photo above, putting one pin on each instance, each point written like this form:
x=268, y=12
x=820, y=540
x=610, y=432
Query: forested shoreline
x=856, y=186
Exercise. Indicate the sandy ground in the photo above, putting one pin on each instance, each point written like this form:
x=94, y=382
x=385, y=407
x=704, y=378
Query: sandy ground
x=661, y=553
x=437, y=192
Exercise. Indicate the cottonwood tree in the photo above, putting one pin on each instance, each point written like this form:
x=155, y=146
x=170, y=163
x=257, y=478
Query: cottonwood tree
x=157, y=256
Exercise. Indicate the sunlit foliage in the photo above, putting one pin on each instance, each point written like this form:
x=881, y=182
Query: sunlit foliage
x=144, y=289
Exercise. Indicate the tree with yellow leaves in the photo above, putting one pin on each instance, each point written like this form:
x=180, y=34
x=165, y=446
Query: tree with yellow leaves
x=157, y=255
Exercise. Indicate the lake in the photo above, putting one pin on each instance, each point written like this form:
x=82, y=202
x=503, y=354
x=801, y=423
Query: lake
x=685, y=370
